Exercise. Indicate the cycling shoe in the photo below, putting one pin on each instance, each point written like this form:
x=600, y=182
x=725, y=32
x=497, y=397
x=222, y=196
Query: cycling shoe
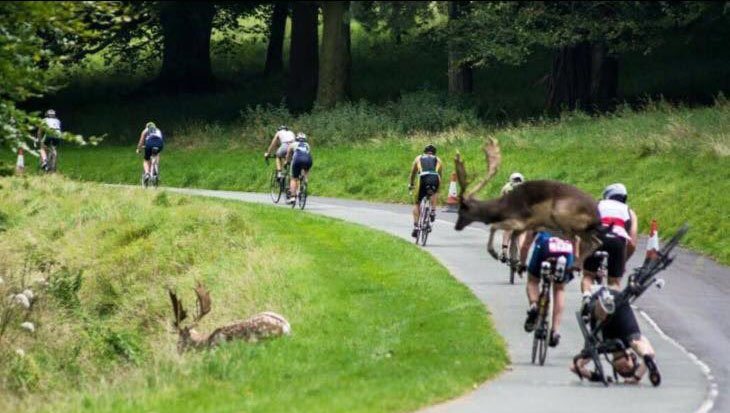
x=531, y=319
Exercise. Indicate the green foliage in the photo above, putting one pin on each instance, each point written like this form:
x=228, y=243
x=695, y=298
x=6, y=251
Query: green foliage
x=64, y=286
x=33, y=37
x=510, y=31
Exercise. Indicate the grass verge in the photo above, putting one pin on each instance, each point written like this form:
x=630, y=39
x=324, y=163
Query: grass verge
x=377, y=324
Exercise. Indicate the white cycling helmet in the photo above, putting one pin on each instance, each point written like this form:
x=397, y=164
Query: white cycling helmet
x=616, y=191
x=516, y=178
x=51, y=113
x=301, y=137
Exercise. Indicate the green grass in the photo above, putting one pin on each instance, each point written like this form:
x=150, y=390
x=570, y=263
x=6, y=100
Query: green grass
x=378, y=325
x=675, y=162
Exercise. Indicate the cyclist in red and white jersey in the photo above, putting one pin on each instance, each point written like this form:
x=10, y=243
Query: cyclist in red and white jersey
x=619, y=238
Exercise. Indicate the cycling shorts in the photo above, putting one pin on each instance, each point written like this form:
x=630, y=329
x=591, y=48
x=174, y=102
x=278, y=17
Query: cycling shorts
x=301, y=161
x=51, y=141
x=152, y=146
x=622, y=326
x=281, y=152
x=427, y=184
x=547, y=246
x=615, y=246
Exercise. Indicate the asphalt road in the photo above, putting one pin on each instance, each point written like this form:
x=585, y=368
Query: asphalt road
x=688, y=322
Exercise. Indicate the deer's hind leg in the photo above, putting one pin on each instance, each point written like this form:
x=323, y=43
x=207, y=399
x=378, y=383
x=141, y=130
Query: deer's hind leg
x=490, y=243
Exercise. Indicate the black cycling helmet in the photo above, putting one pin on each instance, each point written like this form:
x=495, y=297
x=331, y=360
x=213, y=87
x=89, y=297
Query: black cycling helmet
x=282, y=127
x=429, y=148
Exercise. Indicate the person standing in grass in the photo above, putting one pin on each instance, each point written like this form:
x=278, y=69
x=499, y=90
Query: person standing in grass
x=283, y=138
x=150, y=138
x=300, y=156
x=428, y=167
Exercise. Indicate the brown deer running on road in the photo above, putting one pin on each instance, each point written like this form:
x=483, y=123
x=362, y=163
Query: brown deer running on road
x=532, y=205
x=260, y=326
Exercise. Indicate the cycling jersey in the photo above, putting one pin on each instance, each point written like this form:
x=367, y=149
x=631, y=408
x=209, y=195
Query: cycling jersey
x=428, y=165
x=508, y=187
x=286, y=137
x=546, y=246
x=153, y=133
x=52, y=123
x=301, y=148
x=615, y=214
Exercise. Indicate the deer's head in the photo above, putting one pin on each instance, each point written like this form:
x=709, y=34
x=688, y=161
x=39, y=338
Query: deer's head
x=188, y=337
x=470, y=208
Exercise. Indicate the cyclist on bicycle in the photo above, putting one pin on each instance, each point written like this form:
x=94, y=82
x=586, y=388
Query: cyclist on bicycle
x=515, y=179
x=548, y=246
x=619, y=237
x=282, y=139
x=48, y=135
x=300, y=156
x=428, y=167
x=621, y=326
x=151, y=140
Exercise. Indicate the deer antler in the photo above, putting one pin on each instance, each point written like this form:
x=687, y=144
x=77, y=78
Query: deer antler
x=177, y=308
x=494, y=158
x=203, y=301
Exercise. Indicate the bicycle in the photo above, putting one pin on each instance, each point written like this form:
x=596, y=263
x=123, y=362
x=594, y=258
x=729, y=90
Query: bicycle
x=513, y=260
x=154, y=177
x=424, y=219
x=551, y=270
x=302, y=193
x=279, y=186
x=51, y=157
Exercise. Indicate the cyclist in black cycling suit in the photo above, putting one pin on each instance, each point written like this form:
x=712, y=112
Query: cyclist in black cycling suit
x=621, y=326
x=428, y=167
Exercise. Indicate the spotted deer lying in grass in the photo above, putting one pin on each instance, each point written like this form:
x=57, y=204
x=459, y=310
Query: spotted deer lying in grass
x=260, y=326
x=532, y=205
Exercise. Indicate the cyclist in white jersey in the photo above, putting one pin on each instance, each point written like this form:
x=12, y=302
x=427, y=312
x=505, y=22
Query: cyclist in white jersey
x=48, y=134
x=300, y=155
x=283, y=138
x=619, y=237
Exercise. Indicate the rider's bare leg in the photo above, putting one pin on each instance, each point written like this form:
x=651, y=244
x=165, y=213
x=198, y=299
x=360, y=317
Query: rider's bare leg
x=416, y=213
x=558, y=305
x=614, y=283
x=278, y=164
x=294, y=186
x=506, y=235
x=146, y=166
x=44, y=156
x=533, y=289
x=587, y=281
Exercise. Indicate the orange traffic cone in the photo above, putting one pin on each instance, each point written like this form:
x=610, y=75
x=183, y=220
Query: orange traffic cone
x=20, y=165
x=652, y=245
x=452, y=202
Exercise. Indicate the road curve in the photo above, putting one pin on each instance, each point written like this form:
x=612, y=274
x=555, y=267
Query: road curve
x=688, y=310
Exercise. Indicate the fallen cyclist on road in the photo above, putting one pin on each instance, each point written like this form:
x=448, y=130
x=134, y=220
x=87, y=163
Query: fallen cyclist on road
x=610, y=329
x=622, y=339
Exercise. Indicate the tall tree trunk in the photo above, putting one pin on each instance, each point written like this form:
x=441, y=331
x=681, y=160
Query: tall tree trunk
x=583, y=76
x=461, y=74
x=334, y=74
x=275, y=49
x=303, y=55
x=186, y=29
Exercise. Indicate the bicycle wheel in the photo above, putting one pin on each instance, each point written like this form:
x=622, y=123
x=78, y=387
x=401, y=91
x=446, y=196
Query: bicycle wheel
x=276, y=188
x=302, y=194
x=513, y=258
x=425, y=220
x=545, y=328
x=535, y=344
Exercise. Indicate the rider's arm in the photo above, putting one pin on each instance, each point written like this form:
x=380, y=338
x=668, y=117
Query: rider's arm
x=414, y=170
x=273, y=143
x=141, y=141
x=633, y=233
